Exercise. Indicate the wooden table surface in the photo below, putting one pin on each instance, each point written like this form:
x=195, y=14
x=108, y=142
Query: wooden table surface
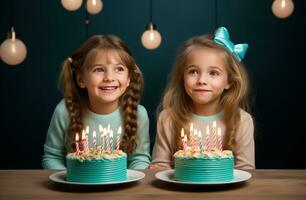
x=264, y=184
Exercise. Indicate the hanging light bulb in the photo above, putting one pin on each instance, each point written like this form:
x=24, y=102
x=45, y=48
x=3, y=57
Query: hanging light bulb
x=12, y=50
x=282, y=8
x=71, y=5
x=151, y=38
x=94, y=6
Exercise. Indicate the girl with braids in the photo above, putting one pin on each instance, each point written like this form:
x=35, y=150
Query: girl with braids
x=208, y=83
x=102, y=85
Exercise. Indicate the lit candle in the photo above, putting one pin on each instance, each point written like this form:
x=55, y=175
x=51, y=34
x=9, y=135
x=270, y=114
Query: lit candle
x=183, y=142
x=195, y=138
x=207, y=138
x=77, y=144
x=107, y=141
x=87, y=129
x=118, y=138
x=191, y=136
x=219, y=140
x=100, y=128
x=102, y=135
x=111, y=140
x=200, y=140
x=94, y=140
x=84, y=142
x=214, y=134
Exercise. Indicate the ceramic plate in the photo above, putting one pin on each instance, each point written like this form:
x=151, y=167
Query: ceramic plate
x=168, y=176
x=132, y=176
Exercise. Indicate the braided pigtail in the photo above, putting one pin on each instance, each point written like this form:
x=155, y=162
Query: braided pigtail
x=73, y=101
x=129, y=104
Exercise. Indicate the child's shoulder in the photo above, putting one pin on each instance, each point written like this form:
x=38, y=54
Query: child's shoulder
x=245, y=115
x=61, y=108
x=142, y=111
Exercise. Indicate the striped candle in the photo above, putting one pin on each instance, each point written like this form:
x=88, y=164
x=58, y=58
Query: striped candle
x=200, y=140
x=84, y=141
x=207, y=139
x=214, y=134
x=107, y=142
x=77, y=144
x=118, y=138
x=185, y=143
x=94, y=142
x=219, y=140
x=111, y=140
x=191, y=136
x=182, y=136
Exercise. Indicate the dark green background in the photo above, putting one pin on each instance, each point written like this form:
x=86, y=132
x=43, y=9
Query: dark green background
x=275, y=61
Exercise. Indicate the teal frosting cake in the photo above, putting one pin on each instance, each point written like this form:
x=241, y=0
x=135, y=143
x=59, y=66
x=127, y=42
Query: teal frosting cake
x=194, y=165
x=96, y=166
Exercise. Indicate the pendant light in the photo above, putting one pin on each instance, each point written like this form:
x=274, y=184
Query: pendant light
x=12, y=50
x=72, y=5
x=282, y=8
x=151, y=38
x=94, y=6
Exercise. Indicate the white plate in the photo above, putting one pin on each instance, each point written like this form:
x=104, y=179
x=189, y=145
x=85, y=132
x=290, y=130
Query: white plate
x=168, y=176
x=132, y=176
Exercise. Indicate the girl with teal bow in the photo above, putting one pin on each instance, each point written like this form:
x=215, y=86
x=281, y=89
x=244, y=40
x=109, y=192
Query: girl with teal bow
x=208, y=84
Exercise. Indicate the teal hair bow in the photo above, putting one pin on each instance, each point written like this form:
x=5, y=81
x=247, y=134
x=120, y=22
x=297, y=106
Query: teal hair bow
x=222, y=38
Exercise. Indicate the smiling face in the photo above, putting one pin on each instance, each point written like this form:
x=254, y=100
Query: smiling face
x=106, y=80
x=205, y=79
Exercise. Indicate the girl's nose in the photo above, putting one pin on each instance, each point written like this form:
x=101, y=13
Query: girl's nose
x=108, y=76
x=202, y=79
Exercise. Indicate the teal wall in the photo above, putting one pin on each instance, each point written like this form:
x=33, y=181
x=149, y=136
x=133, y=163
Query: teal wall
x=275, y=61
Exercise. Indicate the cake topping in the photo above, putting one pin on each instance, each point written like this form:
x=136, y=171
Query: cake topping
x=96, y=154
x=198, y=153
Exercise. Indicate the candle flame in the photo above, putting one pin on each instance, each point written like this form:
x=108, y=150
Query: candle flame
x=83, y=135
x=182, y=133
x=87, y=129
x=207, y=130
x=77, y=137
x=191, y=127
x=94, y=134
x=119, y=130
x=200, y=134
x=111, y=134
x=219, y=131
x=100, y=128
x=214, y=124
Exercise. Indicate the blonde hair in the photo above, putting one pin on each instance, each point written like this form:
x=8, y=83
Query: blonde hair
x=179, y=105
x=76, y=98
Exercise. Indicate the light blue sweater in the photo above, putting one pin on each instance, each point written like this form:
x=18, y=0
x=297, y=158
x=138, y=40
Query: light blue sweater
x=55, y=149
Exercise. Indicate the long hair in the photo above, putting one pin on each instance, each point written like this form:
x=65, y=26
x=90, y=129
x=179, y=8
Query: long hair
x=76, y=98
x=178, y=104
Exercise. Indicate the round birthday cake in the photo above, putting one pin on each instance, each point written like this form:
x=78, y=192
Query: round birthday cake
x=195, y=165
x=96, y=166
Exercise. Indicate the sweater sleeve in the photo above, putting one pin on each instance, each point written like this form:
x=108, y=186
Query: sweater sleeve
x=244, y=150
x=54, y=147
x=164, y=142
x=140, y=158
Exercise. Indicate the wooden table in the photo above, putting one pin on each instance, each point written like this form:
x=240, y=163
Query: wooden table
x=264, y=184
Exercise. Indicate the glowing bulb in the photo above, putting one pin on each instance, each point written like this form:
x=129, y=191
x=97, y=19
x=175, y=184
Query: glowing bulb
x=151, y=38
x=94, y=6
x=282, y=8
x=12, y=50
x=71, y=5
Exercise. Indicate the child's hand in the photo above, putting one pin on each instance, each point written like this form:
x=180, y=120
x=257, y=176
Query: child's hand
x=158, y=167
